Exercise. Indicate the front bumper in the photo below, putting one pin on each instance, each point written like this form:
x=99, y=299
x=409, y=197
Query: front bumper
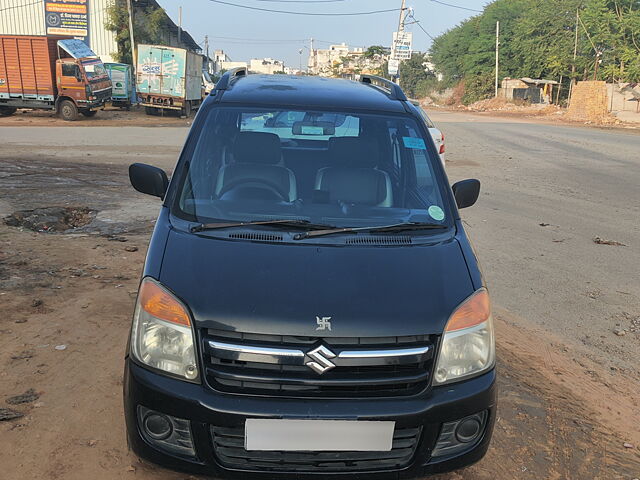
x=204, y=408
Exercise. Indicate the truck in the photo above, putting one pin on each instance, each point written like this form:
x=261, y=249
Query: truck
x=60, y=74
x=123, y=94
x=169, y=78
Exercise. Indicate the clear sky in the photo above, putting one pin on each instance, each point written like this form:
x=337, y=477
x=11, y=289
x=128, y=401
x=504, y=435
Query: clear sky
x=244, y=34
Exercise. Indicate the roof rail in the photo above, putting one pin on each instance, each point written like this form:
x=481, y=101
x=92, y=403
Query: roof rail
x=395, y=92
x=229, y=76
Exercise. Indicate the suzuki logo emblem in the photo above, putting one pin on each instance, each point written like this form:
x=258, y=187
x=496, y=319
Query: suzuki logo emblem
x=320, y=357
x=323, y=323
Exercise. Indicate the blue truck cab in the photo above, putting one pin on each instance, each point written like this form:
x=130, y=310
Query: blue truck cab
x=310, y=305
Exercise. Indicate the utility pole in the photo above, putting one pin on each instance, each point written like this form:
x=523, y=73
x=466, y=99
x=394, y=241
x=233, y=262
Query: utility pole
x=131, y=39
x=401, y=21
x=575, y=55
x=497, y=56
x=180, y=26
x=206, y=51
x=313, y=58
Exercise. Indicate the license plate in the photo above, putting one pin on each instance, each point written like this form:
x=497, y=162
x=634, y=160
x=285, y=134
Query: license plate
x=318, y=435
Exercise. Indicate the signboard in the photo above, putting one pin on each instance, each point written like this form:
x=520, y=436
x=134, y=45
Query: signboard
x=67, y=18
x=401, y=46
x=394, y=66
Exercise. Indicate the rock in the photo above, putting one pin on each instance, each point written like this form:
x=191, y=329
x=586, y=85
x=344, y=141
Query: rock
x=21, y=320
x=602, y=241
x=27, y=397
x=131, y=249
x=38, y=405
x=8, y=414
x=60, y=347
x=628, y=445
x=620, y=332
x=36, y=303
x=23, y=355
x=92, y=443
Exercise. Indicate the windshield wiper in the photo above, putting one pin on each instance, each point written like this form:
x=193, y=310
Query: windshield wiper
x=283, y=223
x=396, y=227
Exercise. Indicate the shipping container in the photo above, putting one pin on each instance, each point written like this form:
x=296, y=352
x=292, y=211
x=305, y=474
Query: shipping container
x=169, y=78
x=40, y=72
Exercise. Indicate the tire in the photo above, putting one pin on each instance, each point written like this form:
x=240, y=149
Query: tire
x=68, y=111
x=89, y=113
x=7, y=111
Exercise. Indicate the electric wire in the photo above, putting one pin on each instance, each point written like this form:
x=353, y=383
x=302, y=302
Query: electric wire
x=456, y=6
x=337, y=14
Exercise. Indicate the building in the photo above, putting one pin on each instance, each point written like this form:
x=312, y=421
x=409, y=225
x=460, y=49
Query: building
x=83, y=19
x=267, y=66
x=341, y=61
x=528, y=89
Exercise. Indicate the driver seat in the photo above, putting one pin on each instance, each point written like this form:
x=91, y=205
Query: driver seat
x=258, y=155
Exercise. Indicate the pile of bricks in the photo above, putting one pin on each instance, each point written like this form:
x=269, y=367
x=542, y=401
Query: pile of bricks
x=589, y=102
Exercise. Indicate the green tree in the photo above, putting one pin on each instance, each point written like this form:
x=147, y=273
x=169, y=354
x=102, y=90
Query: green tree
x=149, y=26
x=413, y=74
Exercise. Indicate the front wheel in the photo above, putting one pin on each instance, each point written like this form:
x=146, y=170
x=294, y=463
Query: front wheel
x=6, y=111
x=68, y=111
x=89, y=113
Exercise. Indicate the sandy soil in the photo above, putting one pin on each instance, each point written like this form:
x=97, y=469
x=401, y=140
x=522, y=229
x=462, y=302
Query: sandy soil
x=557, y=419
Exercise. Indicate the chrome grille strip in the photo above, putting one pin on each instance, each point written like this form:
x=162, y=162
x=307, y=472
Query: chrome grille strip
x=290, y=356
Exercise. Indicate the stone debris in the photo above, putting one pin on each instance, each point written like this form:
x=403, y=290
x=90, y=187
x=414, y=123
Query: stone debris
x=8, y=414
x=27, y=397
x=602, y=241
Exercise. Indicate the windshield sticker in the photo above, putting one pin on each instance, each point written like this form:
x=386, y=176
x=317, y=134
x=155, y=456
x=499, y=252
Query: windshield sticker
x=436, y=212
x=312, y=130
x=415, y=143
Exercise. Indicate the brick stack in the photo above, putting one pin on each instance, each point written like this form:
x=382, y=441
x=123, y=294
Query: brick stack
x=589, y=102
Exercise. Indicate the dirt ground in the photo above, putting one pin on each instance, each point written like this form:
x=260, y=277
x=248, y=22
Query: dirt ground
x=109, y=116
x=65, y=307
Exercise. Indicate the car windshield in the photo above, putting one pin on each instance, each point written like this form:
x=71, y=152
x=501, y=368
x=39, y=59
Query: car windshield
x=342, y=169
x=94, y=70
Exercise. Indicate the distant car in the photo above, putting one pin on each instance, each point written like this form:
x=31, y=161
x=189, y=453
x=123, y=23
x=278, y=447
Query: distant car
x=436, y=134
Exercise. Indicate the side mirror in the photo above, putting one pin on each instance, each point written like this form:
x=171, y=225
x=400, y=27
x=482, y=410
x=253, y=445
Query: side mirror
x=466, y=192
x=148, y=179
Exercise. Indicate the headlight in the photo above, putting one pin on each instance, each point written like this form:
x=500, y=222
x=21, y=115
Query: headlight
x=468, y=344
x=162, y=336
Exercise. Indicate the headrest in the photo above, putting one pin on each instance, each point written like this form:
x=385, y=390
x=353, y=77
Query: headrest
x=353, y=152
x=257, y=147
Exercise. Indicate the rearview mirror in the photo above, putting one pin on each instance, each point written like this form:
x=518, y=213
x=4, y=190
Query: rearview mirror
x=148, y=179
x=466, y=192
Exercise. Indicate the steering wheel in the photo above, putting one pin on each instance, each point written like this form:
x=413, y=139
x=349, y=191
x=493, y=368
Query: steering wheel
x=267, y=184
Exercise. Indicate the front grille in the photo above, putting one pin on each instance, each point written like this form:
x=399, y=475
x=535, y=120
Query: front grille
x=228, y=444
x=340, y=367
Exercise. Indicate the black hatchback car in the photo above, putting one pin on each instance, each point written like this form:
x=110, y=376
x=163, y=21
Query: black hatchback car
x=310, y=305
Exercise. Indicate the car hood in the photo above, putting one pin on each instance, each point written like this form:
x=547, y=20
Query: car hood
x=280, y=289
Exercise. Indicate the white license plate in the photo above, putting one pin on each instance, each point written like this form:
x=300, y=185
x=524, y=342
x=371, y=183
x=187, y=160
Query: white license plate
x=318, y=435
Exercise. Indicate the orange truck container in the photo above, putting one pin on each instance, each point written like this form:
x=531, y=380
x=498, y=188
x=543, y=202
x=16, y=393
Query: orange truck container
x=50, y=73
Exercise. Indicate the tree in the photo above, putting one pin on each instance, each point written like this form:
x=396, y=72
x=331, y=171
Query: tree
x=412, y=73
x=150, y=26
x=374, y=50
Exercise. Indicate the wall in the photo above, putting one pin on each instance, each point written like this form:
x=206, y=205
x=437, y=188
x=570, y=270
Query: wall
x=589, y=102
x=23, y=17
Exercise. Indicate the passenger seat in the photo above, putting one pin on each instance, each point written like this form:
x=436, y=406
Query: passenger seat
x=353, y=177
x=258, y=155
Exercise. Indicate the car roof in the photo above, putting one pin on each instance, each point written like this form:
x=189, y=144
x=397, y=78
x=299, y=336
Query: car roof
x=309, y=91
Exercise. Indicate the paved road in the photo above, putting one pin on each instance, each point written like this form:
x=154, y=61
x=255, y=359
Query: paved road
x=583, y=183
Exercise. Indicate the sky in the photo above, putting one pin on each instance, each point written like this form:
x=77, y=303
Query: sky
x=244, y=34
